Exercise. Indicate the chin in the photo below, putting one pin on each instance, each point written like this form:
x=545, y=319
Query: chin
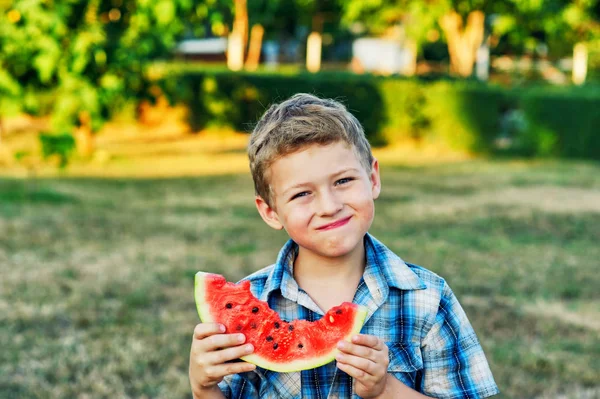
x=336, y=249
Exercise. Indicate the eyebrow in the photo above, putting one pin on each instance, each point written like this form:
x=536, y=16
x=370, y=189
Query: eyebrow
x=299, y=185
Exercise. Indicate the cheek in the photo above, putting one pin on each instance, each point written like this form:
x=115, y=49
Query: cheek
x=297, y=217
x=365, y=205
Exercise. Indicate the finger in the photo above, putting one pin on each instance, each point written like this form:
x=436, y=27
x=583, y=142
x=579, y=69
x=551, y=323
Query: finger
x=218, y=341
x=368, y=340
x=226, y=355
x=352, y=371
x=367, y=366
x=216, y=373
x=204, y=330
x=357, y=350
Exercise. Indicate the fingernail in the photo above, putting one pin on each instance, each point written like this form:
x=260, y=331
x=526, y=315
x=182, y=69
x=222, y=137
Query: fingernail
x=341, y=345
x=249, y=348
x=222, y=328
x=339, y=356
x=355, y=338
x=241, y=337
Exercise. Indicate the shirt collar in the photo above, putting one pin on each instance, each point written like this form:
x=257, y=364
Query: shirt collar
x=383, y=269
x=394, y=270
x=281, y=276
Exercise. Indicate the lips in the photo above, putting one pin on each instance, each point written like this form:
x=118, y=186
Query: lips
x=335, y=224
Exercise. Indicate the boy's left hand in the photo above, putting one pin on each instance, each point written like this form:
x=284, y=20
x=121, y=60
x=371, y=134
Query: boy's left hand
x=366, y=360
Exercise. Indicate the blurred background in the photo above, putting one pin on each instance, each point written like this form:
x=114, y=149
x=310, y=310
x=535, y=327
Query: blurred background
x=123, y=126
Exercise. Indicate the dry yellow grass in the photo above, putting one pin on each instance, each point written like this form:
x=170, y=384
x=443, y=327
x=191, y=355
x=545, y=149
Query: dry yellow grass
x=166, y=149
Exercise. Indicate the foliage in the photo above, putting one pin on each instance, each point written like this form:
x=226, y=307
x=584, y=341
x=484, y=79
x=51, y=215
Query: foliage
x=237, y=99
x=467, y=116
x=60, y=145
x=562, y=123
x=92, y=55
x=514, y=26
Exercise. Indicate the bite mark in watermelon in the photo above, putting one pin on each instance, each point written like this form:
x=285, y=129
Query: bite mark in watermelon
x=279, y=345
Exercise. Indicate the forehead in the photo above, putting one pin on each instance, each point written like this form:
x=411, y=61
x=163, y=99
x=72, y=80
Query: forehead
x=312, y=164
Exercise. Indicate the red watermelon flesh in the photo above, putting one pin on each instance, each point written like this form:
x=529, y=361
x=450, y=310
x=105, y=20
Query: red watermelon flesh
x=278, y=345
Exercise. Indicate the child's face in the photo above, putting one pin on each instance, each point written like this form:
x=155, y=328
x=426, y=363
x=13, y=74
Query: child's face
x=323, y=197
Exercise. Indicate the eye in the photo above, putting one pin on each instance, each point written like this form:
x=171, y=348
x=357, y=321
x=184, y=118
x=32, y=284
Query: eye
x=344, y=180
x=302, y=194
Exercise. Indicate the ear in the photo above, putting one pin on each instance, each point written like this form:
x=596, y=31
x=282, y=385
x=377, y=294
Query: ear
x=375, y=179
x=267, y=213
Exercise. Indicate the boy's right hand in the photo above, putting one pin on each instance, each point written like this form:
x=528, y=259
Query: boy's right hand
x=211, y=349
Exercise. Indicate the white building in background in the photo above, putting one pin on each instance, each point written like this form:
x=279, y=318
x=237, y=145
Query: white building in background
x=209, y=49
x=382, y=56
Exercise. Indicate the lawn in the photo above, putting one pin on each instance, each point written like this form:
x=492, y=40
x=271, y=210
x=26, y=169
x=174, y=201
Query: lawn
x=96, y=288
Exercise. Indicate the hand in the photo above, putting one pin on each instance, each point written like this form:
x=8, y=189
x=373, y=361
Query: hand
x=211, y=348
x=366, y=360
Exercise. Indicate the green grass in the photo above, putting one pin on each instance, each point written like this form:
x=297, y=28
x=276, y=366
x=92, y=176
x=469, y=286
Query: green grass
x=96, y=287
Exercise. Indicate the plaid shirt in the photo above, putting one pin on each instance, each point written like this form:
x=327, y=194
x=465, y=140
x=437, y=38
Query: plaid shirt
x=432, y=346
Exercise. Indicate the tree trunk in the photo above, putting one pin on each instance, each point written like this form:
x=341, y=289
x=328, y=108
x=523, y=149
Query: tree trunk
x=410, y=66
x=241, y=19
x=235, y=51
x=463, y=43
x=580, y=60
x=313, y=52
x=256, y=36
x=84, y=137
x=238, y=37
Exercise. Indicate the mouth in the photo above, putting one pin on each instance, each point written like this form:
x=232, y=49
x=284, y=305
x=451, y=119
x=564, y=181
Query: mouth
x=335, y=224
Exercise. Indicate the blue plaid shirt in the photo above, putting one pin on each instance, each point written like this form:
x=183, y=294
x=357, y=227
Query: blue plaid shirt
x=432, y=346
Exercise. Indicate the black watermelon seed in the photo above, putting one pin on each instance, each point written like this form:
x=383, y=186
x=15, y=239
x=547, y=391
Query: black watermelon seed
x=239, y=327
x=300, y=346
x=339, y=311
x=291, y=327
x=228, y=306
x=276, y=324
x=275, y=345
x=269, y=338
x=255, y=310
x=253, y=325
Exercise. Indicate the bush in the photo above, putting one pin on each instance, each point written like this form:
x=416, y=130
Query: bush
x=562, y=123
x=238, y=100
x=464, y=116
x=60, y=145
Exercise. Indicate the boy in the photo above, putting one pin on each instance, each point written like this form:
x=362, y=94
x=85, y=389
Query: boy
x=315, y=177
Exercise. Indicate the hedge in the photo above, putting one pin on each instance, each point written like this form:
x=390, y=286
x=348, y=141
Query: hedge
x=562, y=123
x=464, y=115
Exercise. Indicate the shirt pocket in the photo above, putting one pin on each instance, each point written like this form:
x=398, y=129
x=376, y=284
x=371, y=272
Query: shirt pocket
x=405, y=362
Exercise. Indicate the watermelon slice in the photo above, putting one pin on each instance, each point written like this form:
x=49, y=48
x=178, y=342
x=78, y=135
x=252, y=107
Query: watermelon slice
x=279, y=345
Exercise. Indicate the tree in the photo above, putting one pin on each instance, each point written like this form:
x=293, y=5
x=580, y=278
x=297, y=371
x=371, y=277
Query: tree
x=512, y=25
x=267, y=17
x=91, y=55
x=463, y=43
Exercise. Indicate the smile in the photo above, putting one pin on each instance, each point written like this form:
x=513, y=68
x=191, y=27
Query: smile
x=334, y=225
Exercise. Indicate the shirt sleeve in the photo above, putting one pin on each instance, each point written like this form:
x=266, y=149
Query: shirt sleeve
x=243, y=385
x=454, y=365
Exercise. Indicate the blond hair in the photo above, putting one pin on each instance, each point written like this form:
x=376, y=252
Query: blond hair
x=302, y=120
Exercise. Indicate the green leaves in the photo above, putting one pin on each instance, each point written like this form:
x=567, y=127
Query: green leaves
x=87, y=56
x=164, y=12
x=8, y=84
x=60, y=145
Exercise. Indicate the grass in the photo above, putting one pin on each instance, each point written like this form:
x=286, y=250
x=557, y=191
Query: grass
x=96, y=294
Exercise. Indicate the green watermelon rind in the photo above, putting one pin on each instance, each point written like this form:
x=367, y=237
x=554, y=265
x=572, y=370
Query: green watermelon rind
x=199, y=294
x=296, y=365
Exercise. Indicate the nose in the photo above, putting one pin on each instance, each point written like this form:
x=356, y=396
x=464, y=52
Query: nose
x=329, y=204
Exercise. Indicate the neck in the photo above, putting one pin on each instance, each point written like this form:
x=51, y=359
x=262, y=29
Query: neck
x=347, y=269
